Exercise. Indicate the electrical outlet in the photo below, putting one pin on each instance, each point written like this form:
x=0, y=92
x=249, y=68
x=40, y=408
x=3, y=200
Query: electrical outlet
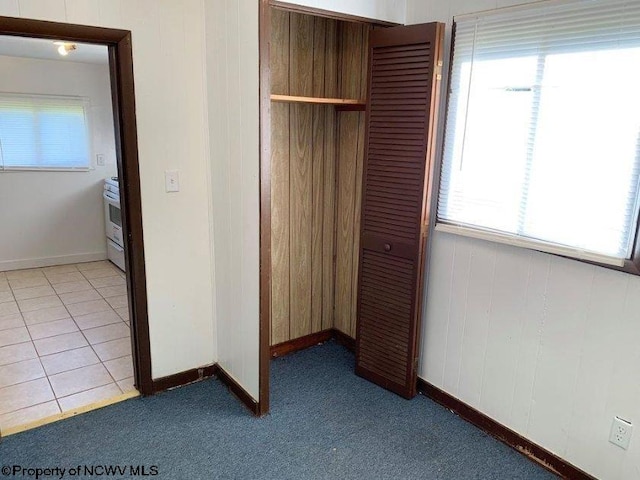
x=100, y=160
x=620, y=432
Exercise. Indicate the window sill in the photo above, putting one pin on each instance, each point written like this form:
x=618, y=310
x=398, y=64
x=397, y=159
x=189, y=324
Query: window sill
x=492, y=236
x=49, y=169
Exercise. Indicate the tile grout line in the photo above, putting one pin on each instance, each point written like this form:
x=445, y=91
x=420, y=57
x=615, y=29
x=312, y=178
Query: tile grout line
x=11, y=289
x=128, y=327
x=62, y=371
x=89, y=344
x=55, y=397
x=66, y=371
x=89, y=389
x=126, y=294
x=30, y=406
x=96, y=353
x=17, y=343
x=13, y=294
x=69, y=349
x=87, y=340
x=50, y=285
x=25, y=381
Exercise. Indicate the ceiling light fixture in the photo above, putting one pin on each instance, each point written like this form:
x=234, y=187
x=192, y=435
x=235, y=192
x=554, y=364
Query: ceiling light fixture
x=64, y=48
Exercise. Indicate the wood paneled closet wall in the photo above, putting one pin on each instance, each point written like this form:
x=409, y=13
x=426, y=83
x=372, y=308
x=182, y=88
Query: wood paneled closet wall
x=317, y=152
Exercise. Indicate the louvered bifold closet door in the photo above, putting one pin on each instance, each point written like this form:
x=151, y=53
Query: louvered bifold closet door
x=401, y=104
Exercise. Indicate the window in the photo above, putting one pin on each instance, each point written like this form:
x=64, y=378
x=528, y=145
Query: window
x=542, y=143
x=43, y=132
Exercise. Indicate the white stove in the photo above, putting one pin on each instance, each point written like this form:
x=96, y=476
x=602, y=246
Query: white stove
x=113, y=222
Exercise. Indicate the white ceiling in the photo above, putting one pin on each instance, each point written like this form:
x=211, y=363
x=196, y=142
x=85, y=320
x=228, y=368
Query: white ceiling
x=47, y=50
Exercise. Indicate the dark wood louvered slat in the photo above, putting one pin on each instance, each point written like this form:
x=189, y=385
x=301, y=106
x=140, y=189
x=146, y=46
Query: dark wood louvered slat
x=382, y=200
x=398, y=158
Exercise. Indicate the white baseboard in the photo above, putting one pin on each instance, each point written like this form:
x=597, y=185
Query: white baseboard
x=7, y=265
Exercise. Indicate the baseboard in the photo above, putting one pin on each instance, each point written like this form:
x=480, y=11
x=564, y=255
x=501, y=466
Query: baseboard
x=183, y=378
x=238, y=390
x=197, y=374
x=7, y=265
x=284, y=348
x=345, y=340
x=301, y=343
x=535, y=452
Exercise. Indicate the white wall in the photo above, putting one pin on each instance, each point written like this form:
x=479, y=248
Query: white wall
x=232, y=67
x=232, y=77
x=168, y=56
x=386, y=10
x=49, y=218
x=544, y=345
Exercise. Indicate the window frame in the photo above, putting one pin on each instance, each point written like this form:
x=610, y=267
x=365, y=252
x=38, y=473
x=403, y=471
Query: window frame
x=86, y=106
x=629, y=265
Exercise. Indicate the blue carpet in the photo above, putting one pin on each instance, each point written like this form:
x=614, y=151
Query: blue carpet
x=325, y=423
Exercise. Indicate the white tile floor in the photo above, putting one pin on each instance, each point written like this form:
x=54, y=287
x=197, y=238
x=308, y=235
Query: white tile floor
x=64, y=340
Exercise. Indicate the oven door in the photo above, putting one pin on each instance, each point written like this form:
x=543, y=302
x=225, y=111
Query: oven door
x=115, y=253
x=113, y=219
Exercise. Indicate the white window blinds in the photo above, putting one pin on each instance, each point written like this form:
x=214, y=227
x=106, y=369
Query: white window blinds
x=542, y=139
x=43, y=132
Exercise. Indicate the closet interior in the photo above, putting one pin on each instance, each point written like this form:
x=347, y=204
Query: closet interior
x=318, y=90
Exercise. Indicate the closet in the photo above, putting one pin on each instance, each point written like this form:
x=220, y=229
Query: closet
x=318, y=85
x=340, y=123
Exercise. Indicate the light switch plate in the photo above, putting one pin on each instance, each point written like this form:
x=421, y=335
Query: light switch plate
x=172, y=181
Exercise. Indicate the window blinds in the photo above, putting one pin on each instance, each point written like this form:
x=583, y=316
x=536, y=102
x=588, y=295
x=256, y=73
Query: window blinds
x=542, y=140
x=43, y=132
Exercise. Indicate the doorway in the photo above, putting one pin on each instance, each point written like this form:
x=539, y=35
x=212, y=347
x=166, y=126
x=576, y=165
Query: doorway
x=313, y=86
x=131, y=308
x=348, y=115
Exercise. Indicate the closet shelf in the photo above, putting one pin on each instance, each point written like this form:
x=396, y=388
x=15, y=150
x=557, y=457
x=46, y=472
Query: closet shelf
x=339, y=103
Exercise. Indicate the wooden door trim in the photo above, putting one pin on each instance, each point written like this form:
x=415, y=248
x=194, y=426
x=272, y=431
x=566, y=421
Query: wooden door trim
x=319, y=12
x=264, y=340
x=118, y=43
x=425, y=238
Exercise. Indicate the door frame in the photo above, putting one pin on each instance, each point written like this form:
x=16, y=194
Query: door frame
x=264, y=338
x=264, y=24
x=118, y=43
